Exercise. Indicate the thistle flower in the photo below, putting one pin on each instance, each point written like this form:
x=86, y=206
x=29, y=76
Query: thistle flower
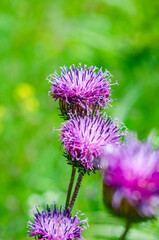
x=85, y=136
x=131, y=179
x=81, y=88
x=54, y=223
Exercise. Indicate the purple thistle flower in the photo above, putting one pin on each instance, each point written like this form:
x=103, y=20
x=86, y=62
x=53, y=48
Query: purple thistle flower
x=131, y=177
x=81, y=88
x=85, y=136
x=53, y=223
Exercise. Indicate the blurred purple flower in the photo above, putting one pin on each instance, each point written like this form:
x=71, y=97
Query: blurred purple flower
x=53, y=223
x=132, y=174
x=85, y=136
x=81, y=88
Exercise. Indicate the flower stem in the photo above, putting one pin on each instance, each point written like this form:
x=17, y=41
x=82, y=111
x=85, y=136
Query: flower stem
x=76, y=190
x=125, y=231
x=70, y=186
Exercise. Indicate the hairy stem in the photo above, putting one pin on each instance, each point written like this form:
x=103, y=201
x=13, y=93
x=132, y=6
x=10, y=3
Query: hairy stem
x=76, y=190
x=70, y=186
x=123, y=236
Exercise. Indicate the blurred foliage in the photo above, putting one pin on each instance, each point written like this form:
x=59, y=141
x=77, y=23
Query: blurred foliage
x=36, y=38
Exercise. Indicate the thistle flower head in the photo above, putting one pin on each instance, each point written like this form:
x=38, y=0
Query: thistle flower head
x=81, y=88
x=54, y=223
x=132, y=174
x=85, y=136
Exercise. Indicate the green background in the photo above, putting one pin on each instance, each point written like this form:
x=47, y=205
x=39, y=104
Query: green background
x=36, y=38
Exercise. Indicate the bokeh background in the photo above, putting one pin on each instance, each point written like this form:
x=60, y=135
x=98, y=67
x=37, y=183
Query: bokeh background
x=36, y=38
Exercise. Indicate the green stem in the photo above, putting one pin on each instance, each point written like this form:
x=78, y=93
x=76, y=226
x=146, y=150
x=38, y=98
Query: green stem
x=127, y=228
x=76, y=190
x=70, y=186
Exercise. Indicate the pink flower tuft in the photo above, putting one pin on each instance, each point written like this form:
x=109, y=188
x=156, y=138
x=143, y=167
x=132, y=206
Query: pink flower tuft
x=54, y=223
x=132, y=172
x=82, y=87
x=85, y=136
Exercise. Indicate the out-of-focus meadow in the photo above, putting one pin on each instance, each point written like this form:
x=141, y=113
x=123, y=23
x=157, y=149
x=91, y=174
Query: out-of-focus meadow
x=36, y=38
